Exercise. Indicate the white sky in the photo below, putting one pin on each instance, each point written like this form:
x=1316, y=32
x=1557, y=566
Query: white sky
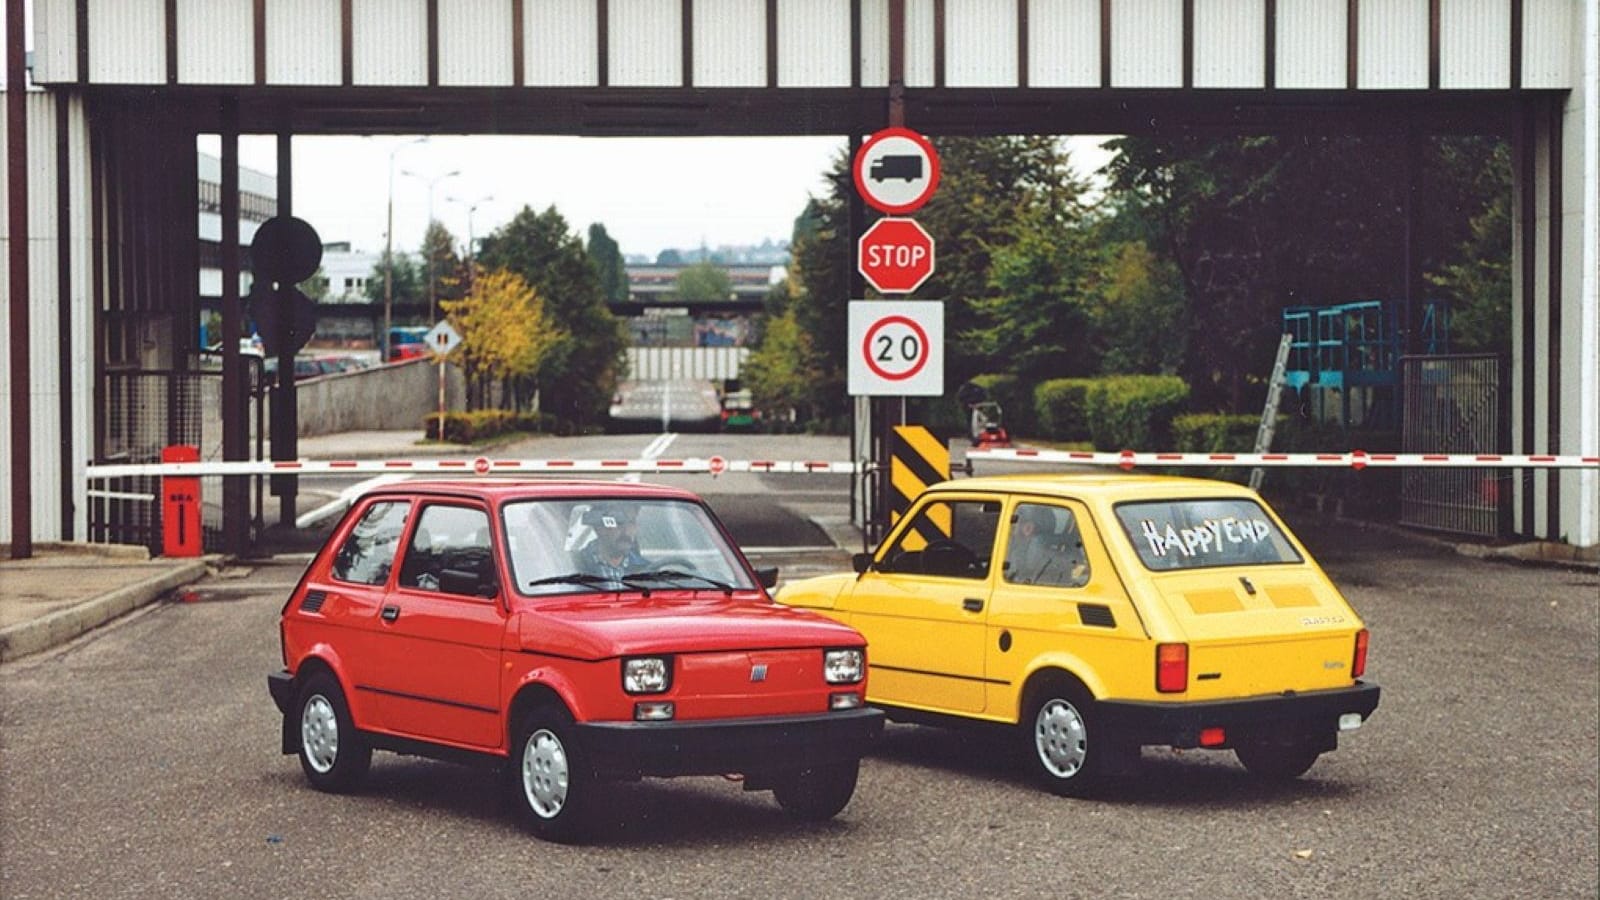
x=651, y=193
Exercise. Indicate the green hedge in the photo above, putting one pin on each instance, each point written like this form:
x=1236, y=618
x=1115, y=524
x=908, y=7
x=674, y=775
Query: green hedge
x=1216, y=433
x=1060, y=407
x=1134, y=411
x=484, y=424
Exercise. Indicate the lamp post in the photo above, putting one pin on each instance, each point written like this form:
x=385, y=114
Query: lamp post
x=472, y=207
x=388, y=258
x=433, y=300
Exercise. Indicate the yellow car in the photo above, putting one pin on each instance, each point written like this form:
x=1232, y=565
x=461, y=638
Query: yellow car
x=1101, y=613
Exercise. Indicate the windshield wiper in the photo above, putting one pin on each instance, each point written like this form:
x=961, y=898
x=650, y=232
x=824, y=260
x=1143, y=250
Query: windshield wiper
x=582, y=578
x=675, y=575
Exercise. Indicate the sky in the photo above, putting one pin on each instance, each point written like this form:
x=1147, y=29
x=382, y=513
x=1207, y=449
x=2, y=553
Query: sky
x=650, y=193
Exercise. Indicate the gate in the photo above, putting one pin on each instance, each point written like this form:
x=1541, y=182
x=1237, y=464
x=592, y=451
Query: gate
x=148, y=410
x=1455, y=404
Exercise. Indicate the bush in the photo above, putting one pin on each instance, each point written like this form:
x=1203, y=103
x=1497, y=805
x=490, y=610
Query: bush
x=1134, y=412
x=1060, y=407
x=484, y=424
x=1216, y=433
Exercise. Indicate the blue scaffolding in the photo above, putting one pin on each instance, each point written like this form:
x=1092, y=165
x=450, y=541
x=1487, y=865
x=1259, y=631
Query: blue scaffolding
x=1350, y=353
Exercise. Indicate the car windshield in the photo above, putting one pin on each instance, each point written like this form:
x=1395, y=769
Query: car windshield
x=1201, y=534
x=584, y=545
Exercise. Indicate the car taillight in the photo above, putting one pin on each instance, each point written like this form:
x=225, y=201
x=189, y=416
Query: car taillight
x=1172, y=668
x=1358, y=666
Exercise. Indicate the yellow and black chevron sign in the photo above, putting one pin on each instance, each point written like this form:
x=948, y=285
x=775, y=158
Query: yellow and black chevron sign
x=916, y=460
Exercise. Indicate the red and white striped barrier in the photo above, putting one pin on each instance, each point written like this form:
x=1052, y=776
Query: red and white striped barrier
x=482, y=465
x=1353, y=459
x=716, y=465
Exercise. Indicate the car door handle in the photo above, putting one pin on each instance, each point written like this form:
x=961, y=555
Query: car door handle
x=972, y=604
x=390, y=613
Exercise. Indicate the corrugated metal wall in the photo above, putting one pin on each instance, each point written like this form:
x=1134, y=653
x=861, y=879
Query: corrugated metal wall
x=730, y=42
x=303, y=39
x=1311, y=45
x=215, y=40
x=49, y=436
x=1230, y=44
x=1064, y=43
x=1147, y=43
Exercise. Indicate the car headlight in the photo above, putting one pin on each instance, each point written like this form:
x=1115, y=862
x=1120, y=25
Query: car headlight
x=843, y=666
x=646, y=674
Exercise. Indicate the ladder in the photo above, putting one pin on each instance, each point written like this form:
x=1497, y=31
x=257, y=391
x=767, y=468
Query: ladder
x=1269, y=415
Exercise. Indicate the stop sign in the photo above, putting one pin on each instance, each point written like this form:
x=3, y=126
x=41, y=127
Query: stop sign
x=895, y=255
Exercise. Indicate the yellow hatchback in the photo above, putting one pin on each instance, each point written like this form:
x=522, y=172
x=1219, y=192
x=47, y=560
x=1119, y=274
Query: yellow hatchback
x=1101, y=613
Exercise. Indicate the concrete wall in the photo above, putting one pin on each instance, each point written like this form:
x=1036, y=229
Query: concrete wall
x=395, y=397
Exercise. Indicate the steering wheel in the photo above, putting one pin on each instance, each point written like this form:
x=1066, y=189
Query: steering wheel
x=947, y=557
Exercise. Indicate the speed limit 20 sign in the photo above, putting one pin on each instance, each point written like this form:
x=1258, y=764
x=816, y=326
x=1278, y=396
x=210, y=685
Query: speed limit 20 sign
x=896, y=348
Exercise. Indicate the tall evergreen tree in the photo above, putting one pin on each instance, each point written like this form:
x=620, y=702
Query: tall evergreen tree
x=608, y=262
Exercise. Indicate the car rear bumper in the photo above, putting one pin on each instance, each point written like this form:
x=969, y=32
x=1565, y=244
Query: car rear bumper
x=628, y=749
x=1178, y=724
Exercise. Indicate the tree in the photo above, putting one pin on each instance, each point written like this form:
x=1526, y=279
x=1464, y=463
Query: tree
x=579, y=373
x=1139, y=315
x=781, y=372
x=505, y=335
x=608, y=262
x=669, y=257
x=409, y=288
x=447, y=270
x=703, y=281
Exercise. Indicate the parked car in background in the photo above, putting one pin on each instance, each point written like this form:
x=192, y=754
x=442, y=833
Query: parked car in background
x=1095, y=614
x=572, y=634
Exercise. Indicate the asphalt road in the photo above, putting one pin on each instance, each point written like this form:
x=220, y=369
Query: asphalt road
x=143, y=760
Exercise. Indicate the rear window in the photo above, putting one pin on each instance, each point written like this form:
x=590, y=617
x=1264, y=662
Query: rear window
x=1201, y=534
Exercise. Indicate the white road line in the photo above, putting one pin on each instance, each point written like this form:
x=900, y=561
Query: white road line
x=652, y=450
x=343, y=501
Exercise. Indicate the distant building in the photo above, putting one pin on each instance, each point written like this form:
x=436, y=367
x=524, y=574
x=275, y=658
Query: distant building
x=258, y=202
x=347, y=271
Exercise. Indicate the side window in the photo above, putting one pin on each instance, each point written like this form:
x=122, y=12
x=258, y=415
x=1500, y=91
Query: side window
x=447, y=539
x=368, y=553
x=950, y=538
x=1045, y=547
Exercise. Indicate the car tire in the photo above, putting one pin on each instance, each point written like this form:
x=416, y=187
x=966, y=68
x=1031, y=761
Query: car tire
x=554, y=790
x=819, y=793
x=333, y=754
x=1066, y=751
x=1277, y=760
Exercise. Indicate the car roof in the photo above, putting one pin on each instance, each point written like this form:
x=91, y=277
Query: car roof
x=500, y=489
x=1113, y=486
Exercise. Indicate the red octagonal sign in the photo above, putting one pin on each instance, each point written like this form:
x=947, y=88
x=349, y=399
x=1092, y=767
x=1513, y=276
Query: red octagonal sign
x=895, y=256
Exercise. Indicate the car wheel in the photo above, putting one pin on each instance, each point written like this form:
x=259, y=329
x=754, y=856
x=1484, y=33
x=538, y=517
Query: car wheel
x=1277, y=760
x=1060, y=739
x=555, y=791
x=818, y=794
x=333, y=755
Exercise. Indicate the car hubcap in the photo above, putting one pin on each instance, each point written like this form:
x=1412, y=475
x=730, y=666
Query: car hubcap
x=1061, y=739
x=319, y=733
x=544, y=774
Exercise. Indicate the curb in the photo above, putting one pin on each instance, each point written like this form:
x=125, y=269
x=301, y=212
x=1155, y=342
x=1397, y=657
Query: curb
x=27, y=638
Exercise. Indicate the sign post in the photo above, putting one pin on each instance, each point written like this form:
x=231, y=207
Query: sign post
x=441, y=339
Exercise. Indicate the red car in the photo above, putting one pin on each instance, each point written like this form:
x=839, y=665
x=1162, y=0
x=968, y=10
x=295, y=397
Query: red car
x=571, y=634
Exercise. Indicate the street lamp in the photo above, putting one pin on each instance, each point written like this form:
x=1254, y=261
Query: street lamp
x=433, y=300
x=388, y=257
x=472, y=207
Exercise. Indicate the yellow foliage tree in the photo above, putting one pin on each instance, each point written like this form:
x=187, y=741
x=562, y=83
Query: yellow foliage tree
x=505, y=336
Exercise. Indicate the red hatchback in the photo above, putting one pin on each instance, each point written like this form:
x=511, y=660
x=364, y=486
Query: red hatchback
x=571, y=633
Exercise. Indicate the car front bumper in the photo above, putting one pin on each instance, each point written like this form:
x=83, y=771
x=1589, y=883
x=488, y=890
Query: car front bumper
x=1178, y=724
x=723, y=746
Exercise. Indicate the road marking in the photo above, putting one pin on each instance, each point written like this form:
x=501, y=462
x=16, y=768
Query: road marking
x=652, y=450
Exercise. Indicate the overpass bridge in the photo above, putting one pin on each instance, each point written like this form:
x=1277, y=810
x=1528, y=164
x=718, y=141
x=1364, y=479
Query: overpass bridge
x=99, y=230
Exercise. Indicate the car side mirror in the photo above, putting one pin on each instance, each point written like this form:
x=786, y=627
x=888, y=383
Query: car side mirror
x=861, y=562
x=768, y=577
